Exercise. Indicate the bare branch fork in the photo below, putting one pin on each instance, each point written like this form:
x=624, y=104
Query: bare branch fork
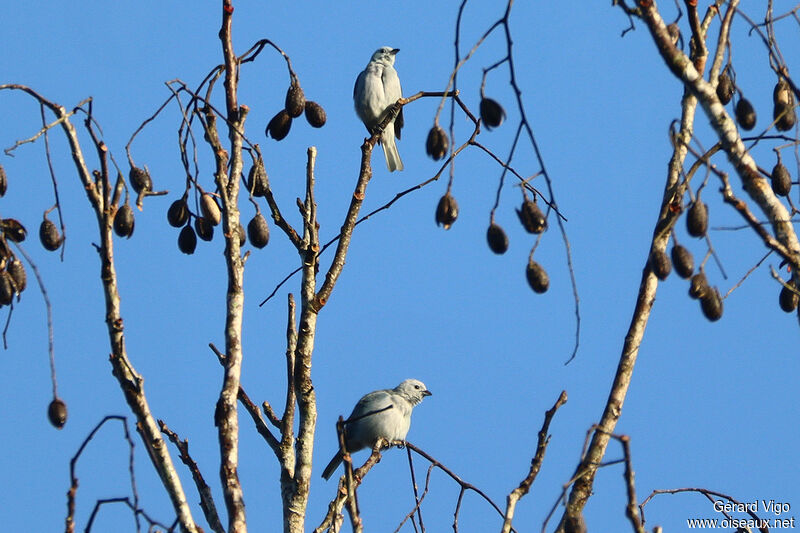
x=206, y=497
x=73, y=466
x=697, y=90
x=99, y=195
x=708, y=494
x=674, y=189
x=536, y=464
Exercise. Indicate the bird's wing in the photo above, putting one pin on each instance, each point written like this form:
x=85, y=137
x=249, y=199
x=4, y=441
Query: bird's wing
x=398, y=123
x=374, y=401
x=393, y=91
x=359, y=80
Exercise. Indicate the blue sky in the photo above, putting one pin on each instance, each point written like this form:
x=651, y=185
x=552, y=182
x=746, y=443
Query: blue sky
x=711, y=405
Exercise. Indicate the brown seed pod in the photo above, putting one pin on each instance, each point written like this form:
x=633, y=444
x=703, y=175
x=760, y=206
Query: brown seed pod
x=697, y=219
x=537, y=277
x=531, y=217
x=497, y=238
x=278, y=128
x=6, y=288
x=683, y=261
x=3, y=181
x=257, y=182
x=242, y=235
x=784, y=116
x=492, y=113
x=660, y=264
x=18, y=276
x=711, y=304
x=48, y=235
x=187, y=240
x=698, y=286
x=781, y=180
x=178, y=213
x=124, y=221
x=210, y=209
x=295, y=100
x=788, y=299
x=437, y=144
x=13, y=229
x=446, y=211
x=204, y=228
x=724, y=88
x=258, y=231
x=57, y=413
x=140, y=179
x=745, y=114
x=315, y=114
x=782, y=93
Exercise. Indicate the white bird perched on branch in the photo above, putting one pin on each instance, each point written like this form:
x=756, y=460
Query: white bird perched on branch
x=377, y=88
x=383, y=413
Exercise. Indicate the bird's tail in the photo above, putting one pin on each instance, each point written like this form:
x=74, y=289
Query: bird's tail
x=337, y=459
x=393, y=161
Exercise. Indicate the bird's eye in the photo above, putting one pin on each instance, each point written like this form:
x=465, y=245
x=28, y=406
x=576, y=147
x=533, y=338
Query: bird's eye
x=416, y=387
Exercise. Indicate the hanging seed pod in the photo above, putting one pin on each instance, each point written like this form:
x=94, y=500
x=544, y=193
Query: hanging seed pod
x=124, y=221
x=497, y=238
x=13, y=229
x=242, y=235
x=660, y=264
x=257, y=179
x=278, y=128
x=788, y=299
x=782, y=93
x=537, y=277
x=783, y=113
x=711, y=304
x=3, y=181
x=698, y=286
x=210, y=209
x=492, y=113
x=683, y=261
x=315, y=114
x=258, y=231
x=187, y=240
x=140, y=179
x=18, y=276
x=6, y=288
x=697, y=219
x=446, y=211
x=745, y=114
x=295, y=100
x=203, y=228
x=781, y=180
x=178, y=213
x=437, y=144
x=57, y=413
x=531, y=217
x=48, y=235
x=724, y=88
x=784, y=116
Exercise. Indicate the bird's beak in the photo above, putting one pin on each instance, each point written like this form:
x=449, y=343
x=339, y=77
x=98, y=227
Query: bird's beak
x=394, y=52
x=426, y=392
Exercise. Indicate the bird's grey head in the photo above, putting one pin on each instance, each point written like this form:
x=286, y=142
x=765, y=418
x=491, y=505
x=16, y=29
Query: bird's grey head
x=385, y=55
x=413, y=390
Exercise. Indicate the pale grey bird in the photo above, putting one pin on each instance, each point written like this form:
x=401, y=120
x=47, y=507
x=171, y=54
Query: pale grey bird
x=383, y=413
x=378, y=87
